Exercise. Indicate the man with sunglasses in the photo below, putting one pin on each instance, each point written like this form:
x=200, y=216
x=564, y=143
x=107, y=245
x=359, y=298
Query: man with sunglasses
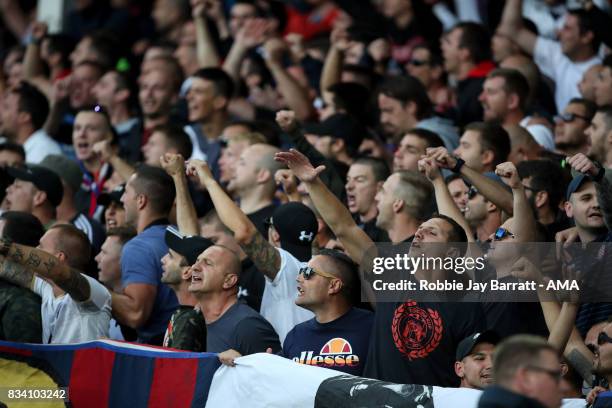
x=404, y=346
x=338, y=336
x=481, y=214
x=571, y=125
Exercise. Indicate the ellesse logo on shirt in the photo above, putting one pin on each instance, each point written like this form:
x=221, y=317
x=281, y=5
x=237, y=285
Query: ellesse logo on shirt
x=337, y=352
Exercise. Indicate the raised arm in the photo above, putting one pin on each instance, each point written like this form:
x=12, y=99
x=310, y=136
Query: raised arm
x=205, y=46
x=524, y=225
x=560, y=322
x=490, y=189
x=186, y=215
x=109, y=154
x=265, y=257
x=444, y=200
x=32, y=64
x=287, y=122
x=512, y=27
x=332, y=69
x=293, y=93
x=334, y=213
x=250, y=35
x=22, y=262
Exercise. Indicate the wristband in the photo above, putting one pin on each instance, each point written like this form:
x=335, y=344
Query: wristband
x=600, y=174
x=458, y=166
x=5, y=246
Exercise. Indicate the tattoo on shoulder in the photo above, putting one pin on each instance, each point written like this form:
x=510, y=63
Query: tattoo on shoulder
x=263, y=254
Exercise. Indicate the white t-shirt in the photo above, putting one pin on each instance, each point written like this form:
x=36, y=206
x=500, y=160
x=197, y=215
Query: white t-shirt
x=556, y=65
x=278, y=302
x=39, y=145
x=67, y=321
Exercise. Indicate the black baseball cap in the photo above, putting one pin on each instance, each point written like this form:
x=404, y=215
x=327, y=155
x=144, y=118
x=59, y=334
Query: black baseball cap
x=113, y=196
x=466, y=345
x=188, y=246
x=340, y=126
x=44, y=180
x=297, y=227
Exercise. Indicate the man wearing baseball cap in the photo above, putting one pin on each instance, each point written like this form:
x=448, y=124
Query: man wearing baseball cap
x=36, y=190
x=186, y=329
x=293, y=227
x=474, y=361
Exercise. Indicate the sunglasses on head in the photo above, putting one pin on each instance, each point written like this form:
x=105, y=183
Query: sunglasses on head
x=417, y=62
x=569, y=117
x=472, y=191
x=308, y=272
x=603, y=338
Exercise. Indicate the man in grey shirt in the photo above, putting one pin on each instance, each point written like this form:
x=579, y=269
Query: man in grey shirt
x=230, y=324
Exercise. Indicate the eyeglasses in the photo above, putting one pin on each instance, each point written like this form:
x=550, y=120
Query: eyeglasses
x=603, y=338
x=308, y=272
x=500, y=234
x=554, y=374
x=569, y=117
x=472, y=191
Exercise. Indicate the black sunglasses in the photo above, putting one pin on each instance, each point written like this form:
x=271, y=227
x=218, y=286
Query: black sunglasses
x=308, y=272
x=554, y=374
x=418, y=63
x=603, y=338
x=472, y=191
x=569, y=117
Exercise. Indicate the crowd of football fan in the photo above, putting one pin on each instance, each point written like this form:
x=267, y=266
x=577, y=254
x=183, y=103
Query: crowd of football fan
x=207, y=175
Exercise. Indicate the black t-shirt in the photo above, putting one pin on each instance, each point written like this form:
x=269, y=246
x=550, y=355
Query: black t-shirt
x=341, y=345
x=415, y=343
x=251, y=284
x=376, y=234
x=260, y=216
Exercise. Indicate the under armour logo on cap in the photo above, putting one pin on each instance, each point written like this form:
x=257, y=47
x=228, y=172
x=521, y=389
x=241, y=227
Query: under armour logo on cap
x=306, y=237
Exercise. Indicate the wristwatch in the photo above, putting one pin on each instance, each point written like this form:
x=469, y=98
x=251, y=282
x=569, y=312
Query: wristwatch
x=600, y=174
x=457, y=168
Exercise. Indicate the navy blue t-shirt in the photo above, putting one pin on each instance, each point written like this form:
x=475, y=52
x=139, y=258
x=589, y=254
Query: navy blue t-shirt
x=340, y=345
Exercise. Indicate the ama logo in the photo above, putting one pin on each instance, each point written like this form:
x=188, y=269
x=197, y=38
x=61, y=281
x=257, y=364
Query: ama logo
x=337, y=352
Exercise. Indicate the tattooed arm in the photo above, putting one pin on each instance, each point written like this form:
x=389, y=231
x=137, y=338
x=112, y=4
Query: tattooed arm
x=22, y=262
x=265, y=257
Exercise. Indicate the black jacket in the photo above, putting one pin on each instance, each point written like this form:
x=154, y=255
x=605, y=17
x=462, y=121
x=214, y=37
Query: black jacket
x=498, y=397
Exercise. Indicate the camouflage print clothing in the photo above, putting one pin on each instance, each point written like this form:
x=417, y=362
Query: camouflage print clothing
x=186, y=330
x=20, y=319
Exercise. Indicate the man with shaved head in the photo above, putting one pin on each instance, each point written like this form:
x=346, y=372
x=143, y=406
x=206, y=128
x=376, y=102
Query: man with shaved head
x=253, y=183
x=230, y=325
